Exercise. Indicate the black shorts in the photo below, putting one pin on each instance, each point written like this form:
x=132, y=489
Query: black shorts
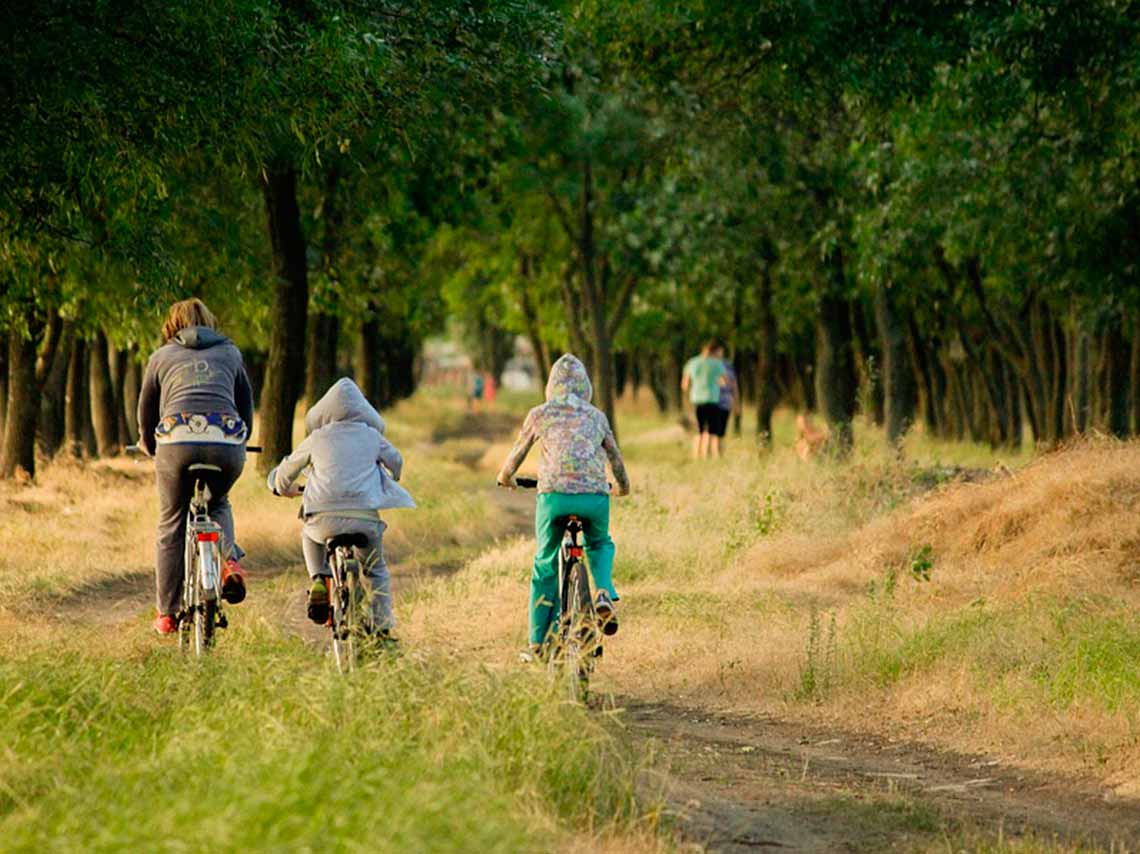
x=712, y=419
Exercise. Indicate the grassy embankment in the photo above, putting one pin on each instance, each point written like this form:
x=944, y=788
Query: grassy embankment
x=974, y=600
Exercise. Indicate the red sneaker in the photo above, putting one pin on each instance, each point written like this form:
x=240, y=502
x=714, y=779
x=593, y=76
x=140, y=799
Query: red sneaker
x=233, y=582
x=165, y=624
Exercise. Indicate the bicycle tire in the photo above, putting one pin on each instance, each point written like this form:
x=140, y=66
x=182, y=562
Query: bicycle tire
x=352, y=616
x=344, y=628
x=577, y=634
x=186, y=598
x=205, y=619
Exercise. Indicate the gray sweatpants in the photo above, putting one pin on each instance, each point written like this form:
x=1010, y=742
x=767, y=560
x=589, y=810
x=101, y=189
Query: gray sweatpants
x=323, y=527
x=175, y=487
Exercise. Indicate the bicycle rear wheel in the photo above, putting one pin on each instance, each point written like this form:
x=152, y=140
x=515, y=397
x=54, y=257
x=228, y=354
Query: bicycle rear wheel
x=205, y=618
x=577, y=635
x=203, y=603
x=345, y=617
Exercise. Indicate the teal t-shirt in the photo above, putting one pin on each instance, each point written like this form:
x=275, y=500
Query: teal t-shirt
x=704, y=375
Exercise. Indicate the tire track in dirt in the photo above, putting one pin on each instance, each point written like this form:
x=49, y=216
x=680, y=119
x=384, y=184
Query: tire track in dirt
x=737, y=783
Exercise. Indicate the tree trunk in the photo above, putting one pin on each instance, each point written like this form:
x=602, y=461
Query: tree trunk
x=867, y=367
x=323, y=324
x=899, y=391
x=370, y=361
x=1015, y=430
x=1134, y=381
x=104, y=413
x=766, y=393
x=659, y=379
x=54, y=394
x=530, y=318
x=75, y=400
x=836, y=382
x=1118, y=354
x=1082, y=381
x=320, y=355
x=132, y=386
x=119, y=360
x=285, y=368
x=18, y=452
x=621, y=373
x=603, y=372
x=998, y=390
x=3, y=386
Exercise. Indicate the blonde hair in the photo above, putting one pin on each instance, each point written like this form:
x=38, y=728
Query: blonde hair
x=187, y=312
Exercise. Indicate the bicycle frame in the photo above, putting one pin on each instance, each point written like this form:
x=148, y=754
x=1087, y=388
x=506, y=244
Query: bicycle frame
x=346, y=599
x=579, y=639
x=202, y=569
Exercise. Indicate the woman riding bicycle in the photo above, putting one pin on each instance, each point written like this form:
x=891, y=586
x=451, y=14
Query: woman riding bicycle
x=576, y=440
x=195, y=407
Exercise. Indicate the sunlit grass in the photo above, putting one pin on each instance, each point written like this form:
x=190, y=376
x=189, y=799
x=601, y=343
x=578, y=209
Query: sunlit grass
x=112, y=747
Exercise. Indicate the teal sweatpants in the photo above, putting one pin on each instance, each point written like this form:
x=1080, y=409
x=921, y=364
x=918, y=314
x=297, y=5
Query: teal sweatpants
x=594, y=511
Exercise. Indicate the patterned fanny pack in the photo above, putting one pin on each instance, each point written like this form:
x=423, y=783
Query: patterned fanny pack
x=212, y=428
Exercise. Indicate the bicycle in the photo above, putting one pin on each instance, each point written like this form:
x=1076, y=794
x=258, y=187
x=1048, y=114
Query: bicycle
x=575, y=647
x=201, y=606
x=200, y=612
x=348, y=620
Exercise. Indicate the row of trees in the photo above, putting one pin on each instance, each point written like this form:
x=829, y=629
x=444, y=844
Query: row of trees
x=927, y=210
x=155, y=160
x=930, y=211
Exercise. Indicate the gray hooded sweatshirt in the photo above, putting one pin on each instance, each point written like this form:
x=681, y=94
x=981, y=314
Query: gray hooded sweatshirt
x=199, y=371
x=342, y=456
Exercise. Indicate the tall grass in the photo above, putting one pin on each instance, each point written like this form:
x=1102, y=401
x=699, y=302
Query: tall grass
x=263, y=747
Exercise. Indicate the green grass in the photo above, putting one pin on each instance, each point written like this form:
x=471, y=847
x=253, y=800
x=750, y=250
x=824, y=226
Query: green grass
x=262, y=746
x=1063, y=652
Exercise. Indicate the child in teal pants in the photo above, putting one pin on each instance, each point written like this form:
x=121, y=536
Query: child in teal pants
x=576, y=442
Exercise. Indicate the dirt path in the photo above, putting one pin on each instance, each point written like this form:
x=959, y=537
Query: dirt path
x=738, y=783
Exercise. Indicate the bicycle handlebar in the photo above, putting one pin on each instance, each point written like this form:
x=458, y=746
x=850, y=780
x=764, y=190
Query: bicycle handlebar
x=136, y=451
x=532, y=483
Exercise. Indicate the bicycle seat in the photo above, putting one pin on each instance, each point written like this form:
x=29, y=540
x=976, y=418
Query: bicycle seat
x=347, y=541
x=203, y=467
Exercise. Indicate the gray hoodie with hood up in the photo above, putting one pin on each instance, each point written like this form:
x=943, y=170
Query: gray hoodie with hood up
x=343, y=456
x=198, y=371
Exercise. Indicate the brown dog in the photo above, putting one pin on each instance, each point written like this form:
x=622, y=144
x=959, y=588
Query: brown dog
x=809, y=438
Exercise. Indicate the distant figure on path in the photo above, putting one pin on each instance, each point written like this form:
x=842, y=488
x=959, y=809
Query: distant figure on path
x=195, y=406
x=489, y=389
x=729, y=394
x=474, y=402
x=703, y=377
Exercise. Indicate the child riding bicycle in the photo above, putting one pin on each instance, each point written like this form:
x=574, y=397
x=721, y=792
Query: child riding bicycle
x=576, y=441
x=344, y=457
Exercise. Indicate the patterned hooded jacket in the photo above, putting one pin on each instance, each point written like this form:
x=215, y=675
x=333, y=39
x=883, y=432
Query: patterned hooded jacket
x=576, y=437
